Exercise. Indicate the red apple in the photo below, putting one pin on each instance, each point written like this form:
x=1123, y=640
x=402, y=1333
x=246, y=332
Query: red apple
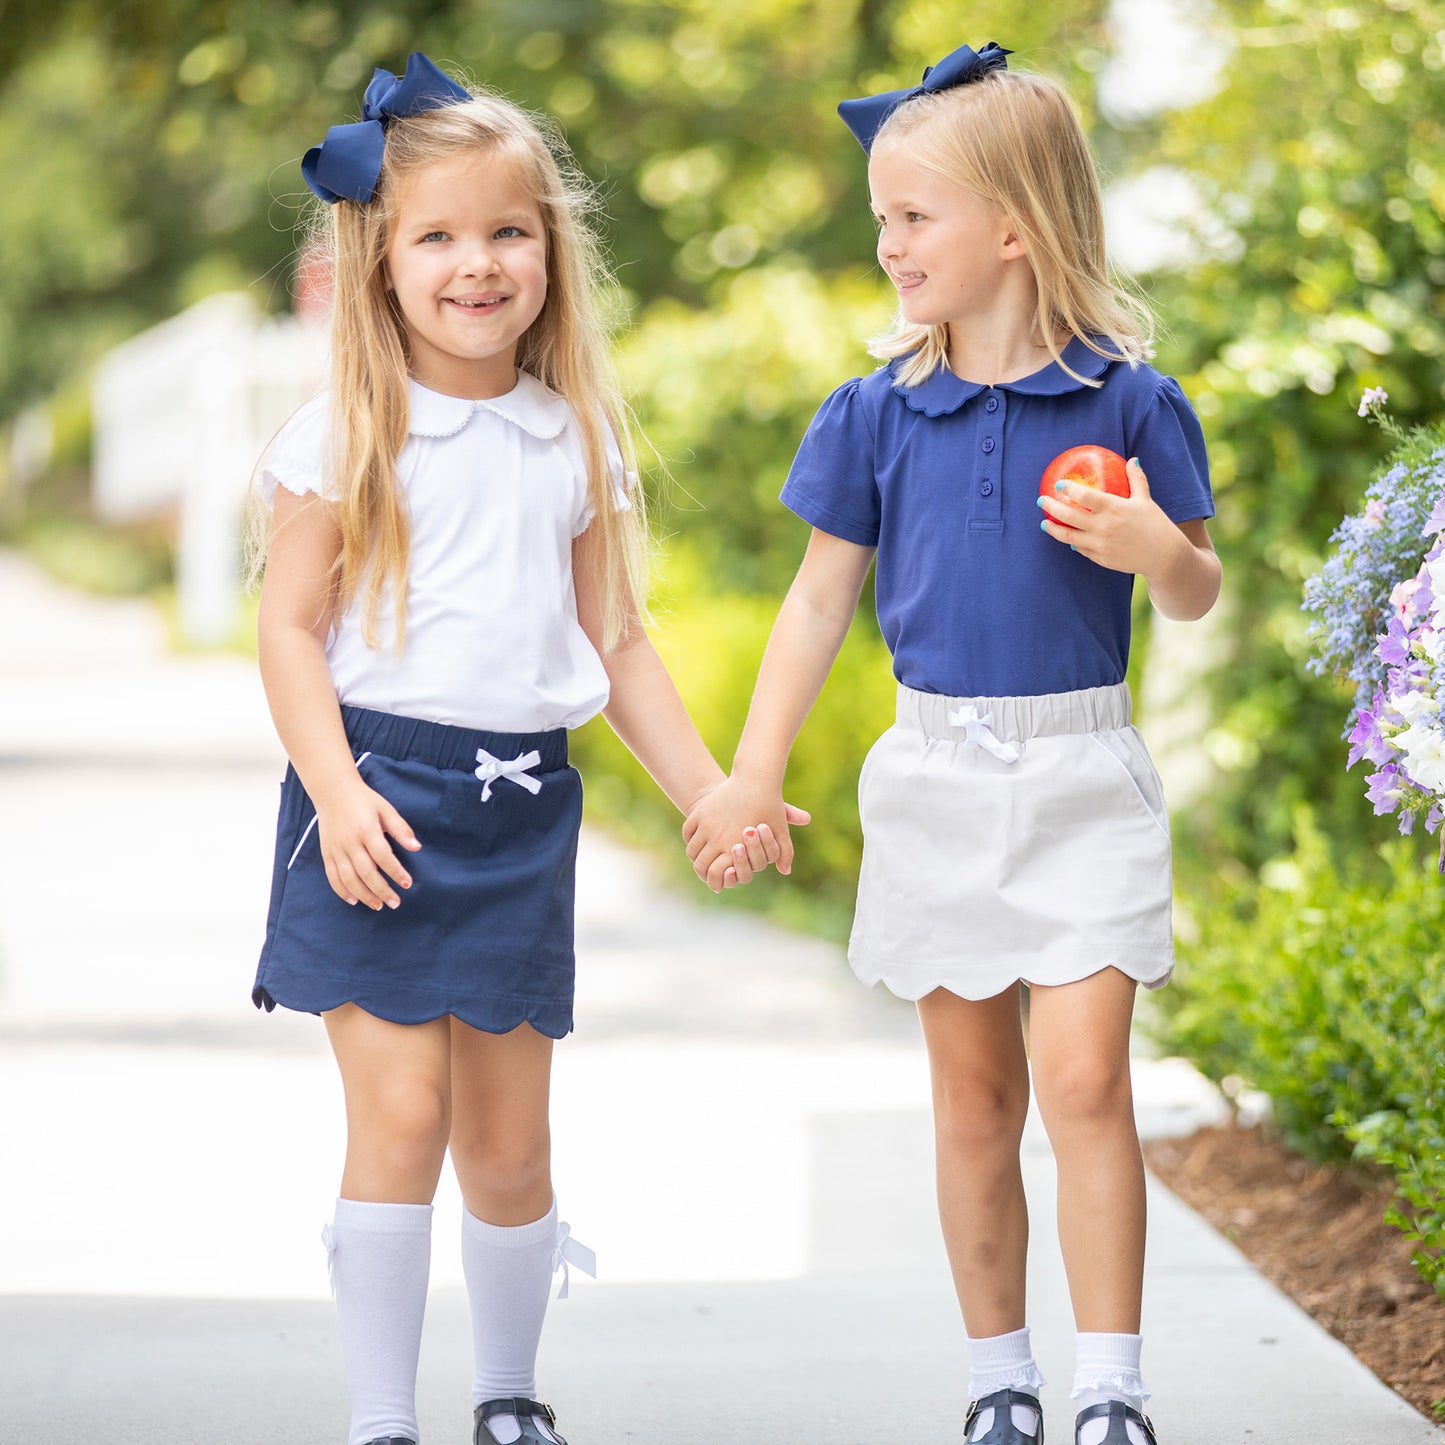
x=1089, y=466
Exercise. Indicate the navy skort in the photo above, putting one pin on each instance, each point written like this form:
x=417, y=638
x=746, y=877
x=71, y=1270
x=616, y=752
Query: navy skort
x=485, y=932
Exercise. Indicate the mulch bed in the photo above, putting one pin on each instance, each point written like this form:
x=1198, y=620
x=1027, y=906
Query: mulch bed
x=1319, y=1235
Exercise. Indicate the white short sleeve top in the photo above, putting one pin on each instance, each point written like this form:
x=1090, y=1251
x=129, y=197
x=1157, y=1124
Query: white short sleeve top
x=497, y=491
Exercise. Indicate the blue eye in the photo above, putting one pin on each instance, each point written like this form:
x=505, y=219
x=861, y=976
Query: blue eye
x=435, y=236
x=506, y=233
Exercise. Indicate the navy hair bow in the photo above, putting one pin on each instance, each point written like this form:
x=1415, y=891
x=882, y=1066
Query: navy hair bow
x=865, y=116
x=347, y=164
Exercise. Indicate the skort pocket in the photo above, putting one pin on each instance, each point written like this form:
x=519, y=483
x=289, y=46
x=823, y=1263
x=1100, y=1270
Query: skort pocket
x=1126, y=747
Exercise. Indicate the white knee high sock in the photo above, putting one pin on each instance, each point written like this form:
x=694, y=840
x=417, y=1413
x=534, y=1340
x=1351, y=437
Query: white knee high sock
x=509, y=1274
x=380, y=1263
x=1004, y=1362
x=1107, y=1368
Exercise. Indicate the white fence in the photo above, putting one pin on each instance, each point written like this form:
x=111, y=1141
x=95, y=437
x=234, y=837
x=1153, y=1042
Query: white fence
x=182, y=412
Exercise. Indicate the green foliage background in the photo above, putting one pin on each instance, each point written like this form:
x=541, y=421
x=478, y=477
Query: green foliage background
x=153, y=151
x=152, y=148
x=1325, y=992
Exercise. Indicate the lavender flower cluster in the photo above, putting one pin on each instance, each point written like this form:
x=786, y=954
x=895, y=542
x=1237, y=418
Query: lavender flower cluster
x=1378, y=619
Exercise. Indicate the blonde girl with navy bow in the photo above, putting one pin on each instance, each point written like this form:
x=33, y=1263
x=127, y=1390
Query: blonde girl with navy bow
x=1014, y=830
x=451, y=582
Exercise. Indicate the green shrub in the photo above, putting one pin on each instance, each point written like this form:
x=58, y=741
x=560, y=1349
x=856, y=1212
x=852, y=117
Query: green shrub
x=107, y=561
x=1327, y=994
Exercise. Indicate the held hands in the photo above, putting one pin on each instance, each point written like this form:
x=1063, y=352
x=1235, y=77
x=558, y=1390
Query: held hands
x=725, y=839
x=1126, y=534
x=353, y=829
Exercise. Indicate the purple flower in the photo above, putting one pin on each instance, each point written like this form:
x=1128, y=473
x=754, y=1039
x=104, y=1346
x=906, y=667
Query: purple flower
x=1393, y=648
x=1377, y=618
x=1373, y=550
x=1382, y=789
x=1437, y=520
x=1366, y=741
x=1402, y=679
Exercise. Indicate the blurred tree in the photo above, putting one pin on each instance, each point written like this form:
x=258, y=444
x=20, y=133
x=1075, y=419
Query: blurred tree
x=153, y=148
x=1318, y=271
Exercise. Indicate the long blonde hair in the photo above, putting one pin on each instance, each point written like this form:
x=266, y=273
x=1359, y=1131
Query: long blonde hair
x=566, y=348
x=1012, y=138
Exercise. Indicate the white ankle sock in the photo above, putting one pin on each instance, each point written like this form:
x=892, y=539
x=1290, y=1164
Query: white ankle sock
x=380, y=1257
x=509, y=1275
x=1107, y=1368
x=1003, y=1362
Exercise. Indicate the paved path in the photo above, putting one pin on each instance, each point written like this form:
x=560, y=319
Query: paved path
x=741, y=1131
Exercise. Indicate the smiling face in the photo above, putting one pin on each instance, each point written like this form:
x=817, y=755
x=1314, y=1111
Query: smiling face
x=945, y=249
x=468, y=263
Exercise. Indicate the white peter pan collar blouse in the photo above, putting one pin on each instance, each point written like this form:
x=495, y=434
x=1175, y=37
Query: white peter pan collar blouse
x=497, y=491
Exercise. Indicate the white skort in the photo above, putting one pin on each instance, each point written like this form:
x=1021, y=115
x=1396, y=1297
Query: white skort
x=1011, y=838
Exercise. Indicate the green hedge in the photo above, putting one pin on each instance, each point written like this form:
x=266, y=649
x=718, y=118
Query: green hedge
x=1327, y=993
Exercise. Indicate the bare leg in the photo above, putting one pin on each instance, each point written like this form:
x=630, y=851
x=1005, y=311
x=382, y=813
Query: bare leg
x=501, y=1149
x=397, y=1079
x=1079, y=1045
x=980, y=1099
x=501, y=1142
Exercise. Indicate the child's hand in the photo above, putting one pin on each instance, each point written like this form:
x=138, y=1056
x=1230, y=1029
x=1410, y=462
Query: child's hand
x=1126, y=534
x=752, y=855
x=353, y=829
x=725, y=837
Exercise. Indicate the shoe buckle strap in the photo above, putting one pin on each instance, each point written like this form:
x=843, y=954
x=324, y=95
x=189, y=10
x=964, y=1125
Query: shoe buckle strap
x=518, y=1406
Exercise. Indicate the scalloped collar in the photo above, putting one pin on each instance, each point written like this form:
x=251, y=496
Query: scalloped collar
x=943, y=392
x=529, y=405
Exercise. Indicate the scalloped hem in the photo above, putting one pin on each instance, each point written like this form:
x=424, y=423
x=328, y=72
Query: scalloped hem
x=968, y=983
x=554, y=1021
x=295, y=480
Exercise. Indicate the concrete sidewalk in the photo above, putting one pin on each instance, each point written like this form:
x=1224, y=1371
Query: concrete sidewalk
x=740, y=1131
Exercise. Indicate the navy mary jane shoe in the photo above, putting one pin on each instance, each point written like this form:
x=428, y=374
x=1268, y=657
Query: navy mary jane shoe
x=1118, y=1414
x=1003, y=1431
x=527, y=1412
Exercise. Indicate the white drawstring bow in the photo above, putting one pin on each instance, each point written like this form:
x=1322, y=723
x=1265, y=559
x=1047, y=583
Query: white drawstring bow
x=978, y=733
x=571, y=1251
x=491, y=770
x=329, y=1240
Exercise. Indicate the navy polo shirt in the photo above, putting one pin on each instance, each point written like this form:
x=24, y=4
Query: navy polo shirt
x=974, y=600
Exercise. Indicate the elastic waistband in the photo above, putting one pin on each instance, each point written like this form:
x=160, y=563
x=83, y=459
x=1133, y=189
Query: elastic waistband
x=443, y=746
x=1050, y=714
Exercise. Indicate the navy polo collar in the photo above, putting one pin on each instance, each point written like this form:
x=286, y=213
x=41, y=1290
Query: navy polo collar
x=943, y=392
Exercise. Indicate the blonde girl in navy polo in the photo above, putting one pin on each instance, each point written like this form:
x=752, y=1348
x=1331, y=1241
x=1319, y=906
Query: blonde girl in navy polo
x=450, y=585
x=1014, y=828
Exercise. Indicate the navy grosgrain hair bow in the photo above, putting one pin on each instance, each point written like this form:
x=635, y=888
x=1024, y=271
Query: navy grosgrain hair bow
x=347, y=164
x=865, y=116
